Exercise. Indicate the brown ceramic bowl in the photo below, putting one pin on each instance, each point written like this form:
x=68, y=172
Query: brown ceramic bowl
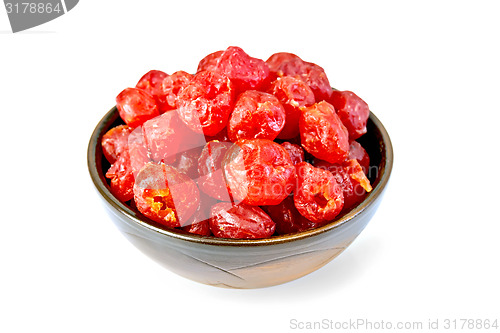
x=236, y=263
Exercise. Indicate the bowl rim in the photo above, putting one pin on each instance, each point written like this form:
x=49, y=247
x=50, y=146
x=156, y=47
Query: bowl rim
x=111, y=116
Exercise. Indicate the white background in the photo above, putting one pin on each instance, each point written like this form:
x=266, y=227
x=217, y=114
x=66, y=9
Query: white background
x=428, y=69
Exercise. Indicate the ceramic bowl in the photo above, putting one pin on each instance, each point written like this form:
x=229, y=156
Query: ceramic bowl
x=235, y=263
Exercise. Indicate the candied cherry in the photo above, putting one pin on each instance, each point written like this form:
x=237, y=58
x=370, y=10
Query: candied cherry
x=295, y=151
x=136, y=106
x=199, y=222
x=131, y=157
x=209, y=63
x=205, y=103
x=356, y=151
x=137, y=150
x=187, y=162
x=316, y=79
x=172, y=86
x=352, y=110
x=356, y=173
x=211, y=175
x=318, y=197
x=161, y=136
x=152, y=82
x=121, y=177
x=288, y=219
x=293, y=94
x=115, y=141
x=256, y=115
x=191, y=141
x=165, y=195
x=350, y=176
x=240, y=221
x=199, y=228
x=259, y=172
x=167, y=136
x=246, y=72
x=283, y=63
x=322, y=133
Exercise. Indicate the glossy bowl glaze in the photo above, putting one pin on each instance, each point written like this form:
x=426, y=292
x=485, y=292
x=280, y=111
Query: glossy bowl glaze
x=234, y=263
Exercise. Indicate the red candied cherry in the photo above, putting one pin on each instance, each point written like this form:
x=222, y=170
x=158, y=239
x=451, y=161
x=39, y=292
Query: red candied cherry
x=121, y=177
x=172, y=86
x=131, y=157
x=316, y=79
x=284, y=63
x=356, y=151
x=295, y=151
x=322, y=133
x=209, y=63
x=205, y=103
x=356, y=173
x=161, y=136
x=246, y=72
x=199, y=222
x=259, y=172
x=137, y=150
x=136, y=106
x=352, y=110
x=288, y=219
x=187, y=162
x=211, y=175
x=240, y=221
x=317, y=197
x=166, y=137
x=189, y=139
x=115, y=141
x=199, y=228
x=256, y=115
x=152, y=82
x=165, y=195
x=350, y=176
x=293, y=94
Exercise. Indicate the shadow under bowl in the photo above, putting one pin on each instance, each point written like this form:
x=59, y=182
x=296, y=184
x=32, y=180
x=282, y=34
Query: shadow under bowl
x=239, y=263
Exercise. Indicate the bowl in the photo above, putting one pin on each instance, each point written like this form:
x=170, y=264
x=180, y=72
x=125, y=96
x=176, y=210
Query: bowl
x=240, y=263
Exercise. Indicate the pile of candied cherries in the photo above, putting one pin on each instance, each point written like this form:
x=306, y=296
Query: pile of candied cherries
x=244, y=148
